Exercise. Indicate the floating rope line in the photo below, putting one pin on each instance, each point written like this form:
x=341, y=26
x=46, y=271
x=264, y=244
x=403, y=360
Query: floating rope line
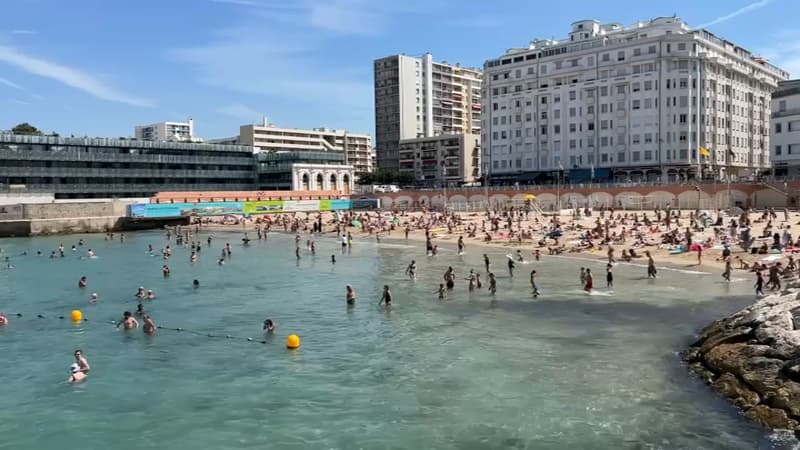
x=42, y=316
x=206, y=334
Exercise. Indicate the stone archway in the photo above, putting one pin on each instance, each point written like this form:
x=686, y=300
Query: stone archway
x=333, y=185
x=346, y=184
x=305, y=182
x=319, y=182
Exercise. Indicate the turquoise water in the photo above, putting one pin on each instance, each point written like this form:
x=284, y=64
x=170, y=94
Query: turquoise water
x=567, y=370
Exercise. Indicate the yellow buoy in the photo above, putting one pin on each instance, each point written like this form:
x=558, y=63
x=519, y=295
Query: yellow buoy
x=293, y=341
x=76, y=315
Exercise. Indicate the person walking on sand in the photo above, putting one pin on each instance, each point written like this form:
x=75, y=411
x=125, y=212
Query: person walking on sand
x=759, y=286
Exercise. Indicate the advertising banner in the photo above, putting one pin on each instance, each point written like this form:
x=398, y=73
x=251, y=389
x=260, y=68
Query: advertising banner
x=263, y=206
x=301, y=205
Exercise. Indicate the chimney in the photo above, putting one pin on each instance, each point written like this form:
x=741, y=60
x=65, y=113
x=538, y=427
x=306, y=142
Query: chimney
x=191, y=127
x=264, y=121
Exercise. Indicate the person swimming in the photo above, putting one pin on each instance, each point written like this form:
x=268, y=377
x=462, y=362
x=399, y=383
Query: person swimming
x=140, y=310
x=81, y=361
x=333, y=259
x=350, y=295
x=128, y=321
x=269, y=326
x=75, y=374
x=3, y=320
x=89, y=253
x=82, y=282
x=196, y=283
x=149, y=326
x=165, y=270
x=93, y=299
x=140, y=292
x=151, y=295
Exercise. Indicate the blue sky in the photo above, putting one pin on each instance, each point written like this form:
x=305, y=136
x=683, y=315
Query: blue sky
x=99, y=67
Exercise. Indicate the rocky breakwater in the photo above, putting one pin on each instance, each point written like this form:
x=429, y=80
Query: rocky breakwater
x=753, y=359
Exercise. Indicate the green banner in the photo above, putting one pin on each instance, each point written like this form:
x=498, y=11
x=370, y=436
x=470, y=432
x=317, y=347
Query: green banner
x=263, y=206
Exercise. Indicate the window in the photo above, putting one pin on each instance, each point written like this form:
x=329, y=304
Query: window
x=518, y=133
x=494, y=77
x=556, y=129
x=590, y=126
x=651, y=49
x=495, y=135
x=682, y=118
x=681, y=47
x=573, y=128
x=603, y=157
x=637, y=52
x=558, y=65
x=518, y=73
x=648, y=155
x=503, y=135
x=621, y=89
x=528, y=132
x=636, y=139
x=777, y=128
x=621, y=56
x=502, y=120
x=544, y=100
x=793, y=126
x=603, y=91
x=495, y=120
x=606, y=57
x=590, y=109
x=544, y=131
x=543, y=69
x=648, y=103
x=557, y=99
x=636, y=87
x=572, y=95
x=648, y=138
x=572, y=112
x=637, y=104
x=635, y=156
x=621, y=157
x=684, y=83
x=556, y=146
x=519, y=164
x=603, y=124
x=604, y=141
x=527, y=117
x=782, y=106
x=648, y=85
x=494, y=106
x=544, y=115
x=777, y=150
x=557, y=114
x=572, y=144
x=603, y=108
x=494, y=91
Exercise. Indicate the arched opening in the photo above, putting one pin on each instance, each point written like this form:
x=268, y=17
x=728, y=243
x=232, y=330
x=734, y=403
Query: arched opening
x=304, y=182
x=333, y=182
x=320, y=182
x=346, y=184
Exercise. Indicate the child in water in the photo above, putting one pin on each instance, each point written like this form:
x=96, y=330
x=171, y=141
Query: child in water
x=442, y=291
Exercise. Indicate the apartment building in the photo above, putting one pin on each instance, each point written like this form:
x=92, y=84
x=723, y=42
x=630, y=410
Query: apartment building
x=785, y=129
x=628, y=103
x=418, y=97
x=450, y=159
x=356, y=148
x=166, y=131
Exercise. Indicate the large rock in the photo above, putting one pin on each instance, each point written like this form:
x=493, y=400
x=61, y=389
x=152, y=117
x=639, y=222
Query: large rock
x=753, y=359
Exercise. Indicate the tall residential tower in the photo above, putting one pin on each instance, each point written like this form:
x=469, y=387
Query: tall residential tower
x=627, y=103
x=418, y=97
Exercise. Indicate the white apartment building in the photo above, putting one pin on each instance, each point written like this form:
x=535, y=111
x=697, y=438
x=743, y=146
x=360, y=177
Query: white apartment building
x=356, y=149
x=453, y=159
x=785, y=134
x=627, y=103
x=166, y=131
x=419, y=97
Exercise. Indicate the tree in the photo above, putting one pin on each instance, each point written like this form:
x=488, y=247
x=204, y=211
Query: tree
x=26, y=128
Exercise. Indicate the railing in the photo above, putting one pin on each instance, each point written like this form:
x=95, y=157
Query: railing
x=123, y=188
x=121, y=173
x=73, y=155
x=123, y=143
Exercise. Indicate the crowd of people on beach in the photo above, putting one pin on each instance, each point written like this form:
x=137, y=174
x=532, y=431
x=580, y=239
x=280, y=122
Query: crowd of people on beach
x=636, y=235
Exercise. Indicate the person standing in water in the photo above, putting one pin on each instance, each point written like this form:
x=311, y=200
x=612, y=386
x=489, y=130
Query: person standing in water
x=450, y=277
x=486, y=262
x=589, y=281
x=727, y=273
x=411, y=270
x=534, y=288
x=442, y=291
x=492, y=283
x=609, y=276
x=759, y=286
x=461, y=245
x=651, y=265
x=82, y=282
x=128, y=322
x=386, y=298
x=269, y=326
x=76, y=375
x=583, y=276
x=81, y=361
x=165, y=270
x=350, y=295
x=149, y=326
x=511, y=267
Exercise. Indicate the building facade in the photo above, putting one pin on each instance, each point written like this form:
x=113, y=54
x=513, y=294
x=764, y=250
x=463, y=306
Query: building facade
x=355, y=148
x=453, y=159
x=419, y=97
x=785, y=129
x=308, y=170
x=106, y=168
x=627, y=103
x=166, y=131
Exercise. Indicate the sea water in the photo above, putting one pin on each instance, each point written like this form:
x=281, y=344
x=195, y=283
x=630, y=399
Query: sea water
x=565, y=370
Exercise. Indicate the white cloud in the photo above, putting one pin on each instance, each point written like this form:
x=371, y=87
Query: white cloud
x=69, y=76
x=9, y=83
x=241, y=112
x=344, y=16
x=738, y=12
x=24, y=32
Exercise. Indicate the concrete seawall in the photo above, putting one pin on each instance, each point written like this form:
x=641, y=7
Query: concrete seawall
x=68, y=218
